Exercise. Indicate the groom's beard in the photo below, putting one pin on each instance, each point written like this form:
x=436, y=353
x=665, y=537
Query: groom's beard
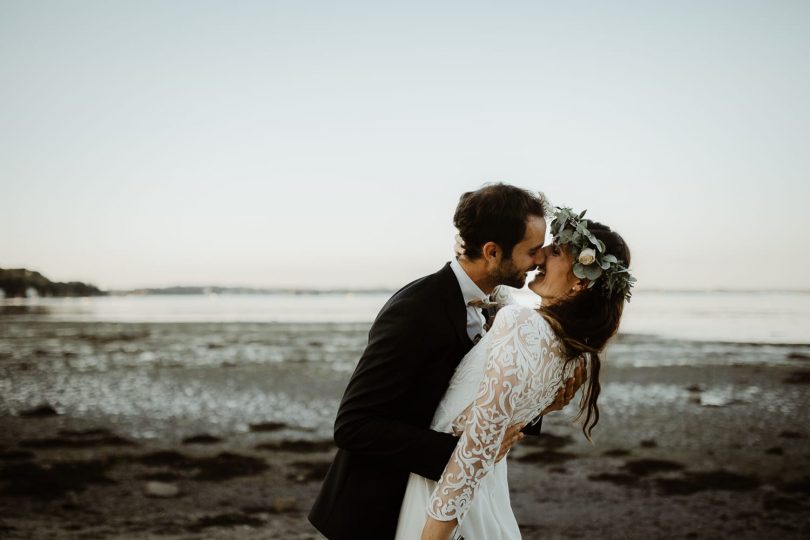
x=508, y=274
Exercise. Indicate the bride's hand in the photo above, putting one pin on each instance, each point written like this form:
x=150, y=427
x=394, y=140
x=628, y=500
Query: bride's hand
x=438, y=530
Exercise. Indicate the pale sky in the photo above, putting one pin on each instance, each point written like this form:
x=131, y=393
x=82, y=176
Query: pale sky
x=325, y=144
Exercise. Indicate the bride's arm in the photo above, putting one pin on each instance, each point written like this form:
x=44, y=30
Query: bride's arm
x=489, y=418
x=438, y=530
x=525, y=370
x=504, y=296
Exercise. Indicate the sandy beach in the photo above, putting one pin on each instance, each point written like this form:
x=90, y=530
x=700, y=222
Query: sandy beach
x=96, y=445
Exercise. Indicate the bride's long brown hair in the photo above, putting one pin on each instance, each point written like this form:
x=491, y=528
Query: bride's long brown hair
x=585, y=322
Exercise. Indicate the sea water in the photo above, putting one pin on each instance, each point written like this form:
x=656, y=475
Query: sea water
x=734, y=317
x=168, y=366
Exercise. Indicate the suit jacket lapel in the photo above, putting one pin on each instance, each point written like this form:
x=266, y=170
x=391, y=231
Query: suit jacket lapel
x=454, y=305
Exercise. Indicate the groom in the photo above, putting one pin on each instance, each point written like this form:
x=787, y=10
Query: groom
x=417, y=340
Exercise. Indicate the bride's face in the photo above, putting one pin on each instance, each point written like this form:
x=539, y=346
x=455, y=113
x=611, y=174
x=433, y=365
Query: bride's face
x=556, y=280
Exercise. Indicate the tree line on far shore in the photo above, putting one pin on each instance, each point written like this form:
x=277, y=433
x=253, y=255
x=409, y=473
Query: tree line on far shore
x=23, y=283
x=20, y=282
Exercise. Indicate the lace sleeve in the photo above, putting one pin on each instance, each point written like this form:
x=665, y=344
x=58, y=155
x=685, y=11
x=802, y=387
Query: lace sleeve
x=512, y=346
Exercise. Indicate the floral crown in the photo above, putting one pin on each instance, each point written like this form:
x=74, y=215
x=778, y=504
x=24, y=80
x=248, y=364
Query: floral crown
x=591, y=261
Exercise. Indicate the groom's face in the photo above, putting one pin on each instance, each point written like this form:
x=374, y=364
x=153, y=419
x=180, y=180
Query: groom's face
x=526, y=255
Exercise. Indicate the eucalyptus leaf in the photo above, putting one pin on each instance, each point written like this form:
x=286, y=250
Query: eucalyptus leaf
x=579, y=270
x=565, y=236
x=592, y=271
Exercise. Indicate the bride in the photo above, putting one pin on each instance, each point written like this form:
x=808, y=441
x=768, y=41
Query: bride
x=513, y=373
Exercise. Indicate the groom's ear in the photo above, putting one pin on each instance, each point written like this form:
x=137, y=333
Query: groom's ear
x=491, y=252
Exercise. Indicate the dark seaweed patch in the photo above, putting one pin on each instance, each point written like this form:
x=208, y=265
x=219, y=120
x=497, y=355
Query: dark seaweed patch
x=615, y=478
x=643, y=467
x=268, y=426
x=41, y=411
x=54, y=480
x=546, y=457
x=616, y=452
x=202, y=439
x=694, y=482
x=299, y=446
x=224, y=520
x=223, y=466
x=798, y=377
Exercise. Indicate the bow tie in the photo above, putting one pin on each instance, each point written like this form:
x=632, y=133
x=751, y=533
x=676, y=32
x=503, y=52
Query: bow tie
x=488, y=308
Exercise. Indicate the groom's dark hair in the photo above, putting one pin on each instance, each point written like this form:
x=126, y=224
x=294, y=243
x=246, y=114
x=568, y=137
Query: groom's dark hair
x=496, y=213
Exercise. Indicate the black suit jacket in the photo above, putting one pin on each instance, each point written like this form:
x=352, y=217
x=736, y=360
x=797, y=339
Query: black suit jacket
x=382, y=428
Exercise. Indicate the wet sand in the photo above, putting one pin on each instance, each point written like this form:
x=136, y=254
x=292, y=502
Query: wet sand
x=680, y=452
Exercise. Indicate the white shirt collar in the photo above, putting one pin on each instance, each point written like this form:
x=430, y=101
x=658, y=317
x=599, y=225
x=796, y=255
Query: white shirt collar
x=469, y=290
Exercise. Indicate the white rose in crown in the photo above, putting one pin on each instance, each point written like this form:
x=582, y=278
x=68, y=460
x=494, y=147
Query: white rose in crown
x=587, y=256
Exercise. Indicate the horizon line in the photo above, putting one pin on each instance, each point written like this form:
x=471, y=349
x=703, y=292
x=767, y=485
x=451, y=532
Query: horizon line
x=383, y=288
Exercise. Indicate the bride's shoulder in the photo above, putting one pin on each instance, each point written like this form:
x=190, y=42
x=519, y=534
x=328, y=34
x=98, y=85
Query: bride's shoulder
x=517, y=314
x=514, y=311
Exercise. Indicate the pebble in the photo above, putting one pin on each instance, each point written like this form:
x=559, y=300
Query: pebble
x=161, y=489
x=284, y=504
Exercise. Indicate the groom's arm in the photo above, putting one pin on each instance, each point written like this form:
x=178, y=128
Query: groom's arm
x=401, y=341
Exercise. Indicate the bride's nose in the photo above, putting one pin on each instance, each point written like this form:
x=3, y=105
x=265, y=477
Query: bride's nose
x=540, y=256
x=546, y=253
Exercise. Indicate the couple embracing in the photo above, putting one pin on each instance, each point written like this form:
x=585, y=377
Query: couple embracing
x=442, y=390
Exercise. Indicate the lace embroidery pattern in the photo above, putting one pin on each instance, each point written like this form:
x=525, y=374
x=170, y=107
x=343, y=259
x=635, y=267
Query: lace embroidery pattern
x=524, y=369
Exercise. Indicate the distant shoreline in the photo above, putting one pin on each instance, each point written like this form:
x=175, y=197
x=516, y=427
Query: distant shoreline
x=24, y=283
x=251, y=291
x=189, y=290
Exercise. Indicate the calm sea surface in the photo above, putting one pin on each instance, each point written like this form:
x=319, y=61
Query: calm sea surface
x=170, y=366
x=758, y=317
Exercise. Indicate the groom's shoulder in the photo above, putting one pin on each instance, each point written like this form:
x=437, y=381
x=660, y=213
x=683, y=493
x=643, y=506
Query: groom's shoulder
x=427, y=286
x=430, y=289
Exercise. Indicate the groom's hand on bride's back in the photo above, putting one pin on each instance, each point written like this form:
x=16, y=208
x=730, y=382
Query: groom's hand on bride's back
x=513, y=434
x=567, y=392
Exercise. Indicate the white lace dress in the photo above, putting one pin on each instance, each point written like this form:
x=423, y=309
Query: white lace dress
x=510, y=376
